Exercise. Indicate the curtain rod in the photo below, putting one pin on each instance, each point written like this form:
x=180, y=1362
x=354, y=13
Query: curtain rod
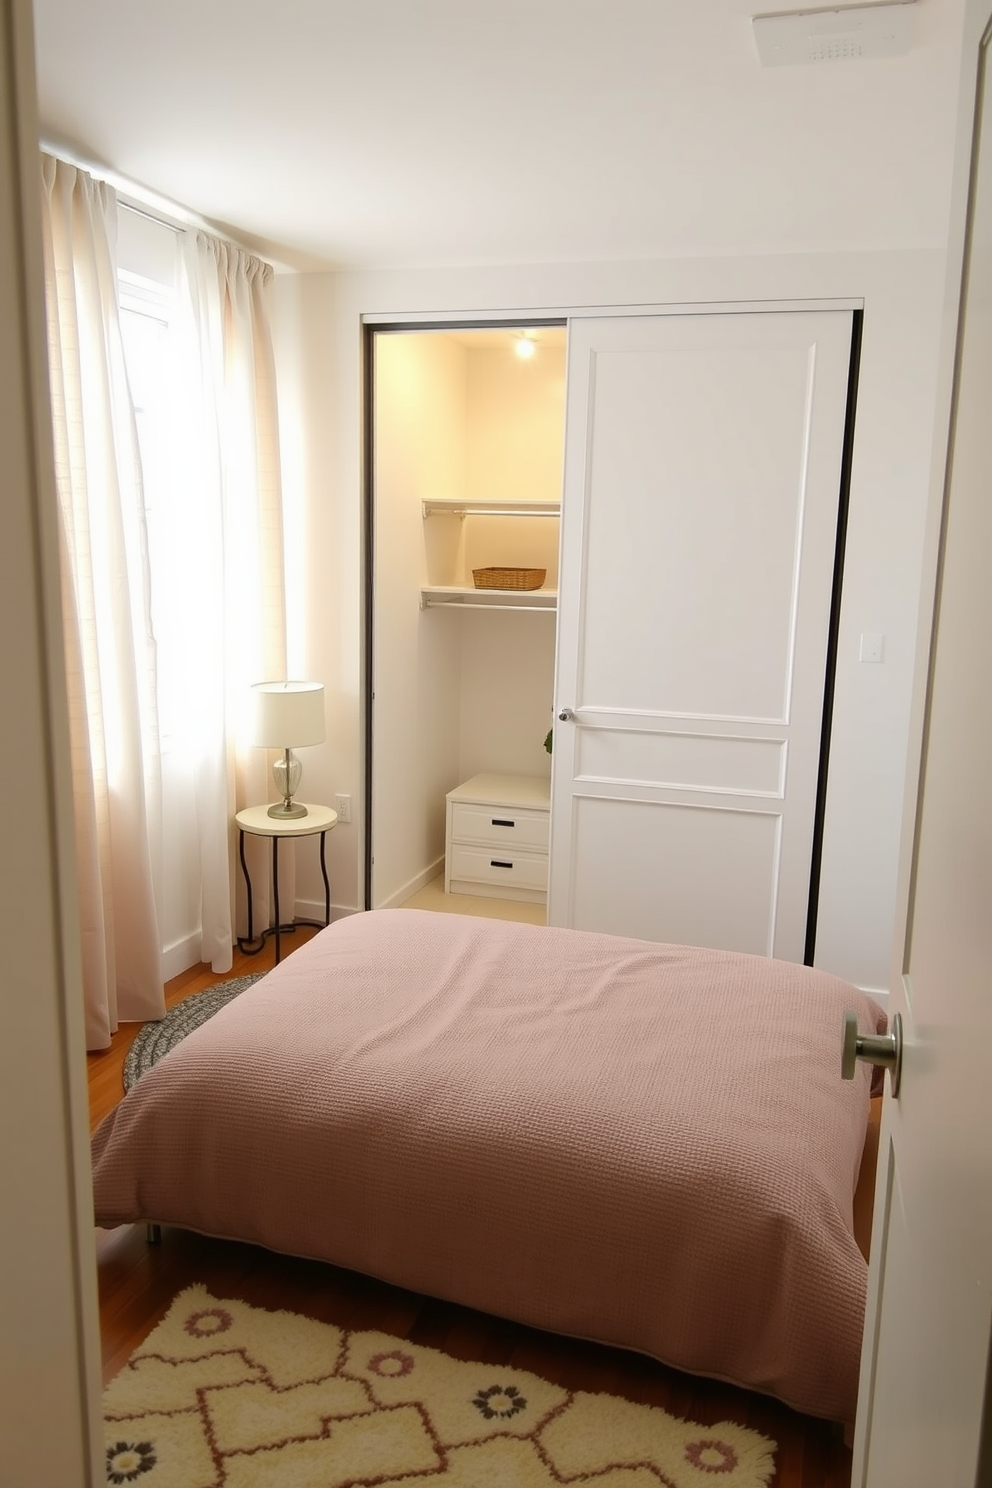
x=150, y=216
x=145, y=202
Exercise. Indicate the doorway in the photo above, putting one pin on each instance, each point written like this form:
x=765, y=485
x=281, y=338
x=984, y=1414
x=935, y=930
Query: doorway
x=464, y=446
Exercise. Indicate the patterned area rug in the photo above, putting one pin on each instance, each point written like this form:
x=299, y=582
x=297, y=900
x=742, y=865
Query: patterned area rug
x=223, y=1395
x=155, y=1039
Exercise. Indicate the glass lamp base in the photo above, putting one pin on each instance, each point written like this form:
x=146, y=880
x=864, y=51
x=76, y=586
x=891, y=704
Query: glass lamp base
x=287, y=811
x=287, y=773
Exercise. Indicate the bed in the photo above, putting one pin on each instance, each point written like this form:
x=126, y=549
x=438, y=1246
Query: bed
x=643, y=1144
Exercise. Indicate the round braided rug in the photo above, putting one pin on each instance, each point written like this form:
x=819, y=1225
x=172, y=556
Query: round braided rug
x=155, y=1039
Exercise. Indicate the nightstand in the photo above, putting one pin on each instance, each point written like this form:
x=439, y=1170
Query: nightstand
x=257, y=821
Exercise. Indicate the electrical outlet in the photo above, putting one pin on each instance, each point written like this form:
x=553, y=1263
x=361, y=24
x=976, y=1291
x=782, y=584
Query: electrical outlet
x=342, y=805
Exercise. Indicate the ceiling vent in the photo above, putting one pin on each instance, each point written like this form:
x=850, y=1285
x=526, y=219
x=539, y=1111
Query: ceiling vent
x=808, y=36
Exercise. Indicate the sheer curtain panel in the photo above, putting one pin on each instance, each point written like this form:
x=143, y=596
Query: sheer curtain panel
x=110, y=650
x=230, y=485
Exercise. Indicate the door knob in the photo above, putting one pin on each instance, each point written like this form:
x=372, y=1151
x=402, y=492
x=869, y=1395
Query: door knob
x=883, y=1049
x=566, y=715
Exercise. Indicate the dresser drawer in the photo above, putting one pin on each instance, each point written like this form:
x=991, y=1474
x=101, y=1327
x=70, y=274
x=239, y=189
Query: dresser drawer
x=499, y=867
x=499, y=825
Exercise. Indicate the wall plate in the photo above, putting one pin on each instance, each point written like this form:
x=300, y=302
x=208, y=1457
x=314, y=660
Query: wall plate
x=802, y=38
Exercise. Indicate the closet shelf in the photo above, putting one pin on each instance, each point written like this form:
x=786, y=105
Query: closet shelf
x=460, y=508
x=466, y=597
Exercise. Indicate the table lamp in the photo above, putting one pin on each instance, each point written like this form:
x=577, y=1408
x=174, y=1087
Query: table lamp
x=287, y=716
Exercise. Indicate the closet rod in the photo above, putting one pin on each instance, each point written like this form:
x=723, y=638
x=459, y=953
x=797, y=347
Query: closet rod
x=484, y=511
x=147, y=213
x=471, y=604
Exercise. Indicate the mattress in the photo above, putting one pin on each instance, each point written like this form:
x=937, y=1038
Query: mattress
x=648, y=1145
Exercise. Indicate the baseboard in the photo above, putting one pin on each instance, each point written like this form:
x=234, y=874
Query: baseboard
x=180, y=956
x=420, y=881
x=880, y=996
x=313, y=909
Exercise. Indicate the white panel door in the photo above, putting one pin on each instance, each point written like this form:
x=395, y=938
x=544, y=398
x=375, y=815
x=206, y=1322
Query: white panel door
x=925, y=1403
x=703, y=464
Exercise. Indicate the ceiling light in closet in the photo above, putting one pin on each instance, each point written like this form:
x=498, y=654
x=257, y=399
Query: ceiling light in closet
x=524, y=347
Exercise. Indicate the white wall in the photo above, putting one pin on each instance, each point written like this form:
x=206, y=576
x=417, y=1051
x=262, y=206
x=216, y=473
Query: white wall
x=324, y=583
x=516, y=441
x=507, y=687
x=318, y=319
x=420, y=452
x=516, y=432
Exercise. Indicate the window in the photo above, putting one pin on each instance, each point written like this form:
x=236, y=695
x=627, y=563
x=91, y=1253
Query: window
x=147, y=308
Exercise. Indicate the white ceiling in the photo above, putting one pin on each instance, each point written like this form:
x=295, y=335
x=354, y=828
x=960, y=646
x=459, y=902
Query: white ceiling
x=386, y=132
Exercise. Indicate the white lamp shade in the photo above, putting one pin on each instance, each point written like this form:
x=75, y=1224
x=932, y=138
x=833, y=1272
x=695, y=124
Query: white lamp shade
x=287, y=715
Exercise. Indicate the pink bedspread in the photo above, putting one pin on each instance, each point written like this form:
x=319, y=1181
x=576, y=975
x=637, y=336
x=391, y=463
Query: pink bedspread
x=648, y=1145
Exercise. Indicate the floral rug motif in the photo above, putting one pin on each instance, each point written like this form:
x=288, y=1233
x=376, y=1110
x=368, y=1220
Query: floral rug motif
x=223, y=1395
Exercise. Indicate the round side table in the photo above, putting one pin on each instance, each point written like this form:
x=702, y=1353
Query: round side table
x=257, y=821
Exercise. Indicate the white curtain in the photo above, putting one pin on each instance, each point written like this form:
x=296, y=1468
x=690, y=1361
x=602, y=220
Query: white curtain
x=223, y=576
x=110, y=651
x=228, y=482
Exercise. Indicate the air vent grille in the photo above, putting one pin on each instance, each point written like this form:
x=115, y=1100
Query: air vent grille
x=845, y=35
x=835, y=48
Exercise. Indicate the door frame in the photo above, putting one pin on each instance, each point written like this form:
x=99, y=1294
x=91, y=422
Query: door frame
x=50, y=1420
x=833, y=633
x=372, y=327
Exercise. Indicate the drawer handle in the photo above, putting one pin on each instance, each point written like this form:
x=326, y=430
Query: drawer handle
x=495, y=863
x=499, y=822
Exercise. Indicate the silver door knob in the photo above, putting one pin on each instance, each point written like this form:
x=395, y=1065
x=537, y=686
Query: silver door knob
x=884, y=1049
x=566, y=715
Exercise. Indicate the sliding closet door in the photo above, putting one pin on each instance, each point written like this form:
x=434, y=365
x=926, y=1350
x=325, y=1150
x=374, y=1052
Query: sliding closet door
x=703, y=467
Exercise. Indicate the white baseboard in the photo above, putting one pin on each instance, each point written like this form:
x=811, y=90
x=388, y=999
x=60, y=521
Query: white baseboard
x=880, y=996
x=180, y=956
x=420, y=881
x=313, y=909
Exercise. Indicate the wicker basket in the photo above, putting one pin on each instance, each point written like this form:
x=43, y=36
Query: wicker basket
x=508, y=578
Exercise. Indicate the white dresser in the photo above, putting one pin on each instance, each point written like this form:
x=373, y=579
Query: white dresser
x=496, y=837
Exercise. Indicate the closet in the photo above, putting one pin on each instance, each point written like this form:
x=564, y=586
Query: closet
x=467, y=447
x=684, y=651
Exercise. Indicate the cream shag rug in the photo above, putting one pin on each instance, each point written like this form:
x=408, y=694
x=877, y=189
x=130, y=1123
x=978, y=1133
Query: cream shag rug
x=223, y=1395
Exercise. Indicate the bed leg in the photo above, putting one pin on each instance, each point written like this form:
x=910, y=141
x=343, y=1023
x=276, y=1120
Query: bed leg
x=153, y=1234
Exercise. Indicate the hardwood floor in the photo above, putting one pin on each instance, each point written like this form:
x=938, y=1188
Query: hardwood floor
x=137, y=1283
